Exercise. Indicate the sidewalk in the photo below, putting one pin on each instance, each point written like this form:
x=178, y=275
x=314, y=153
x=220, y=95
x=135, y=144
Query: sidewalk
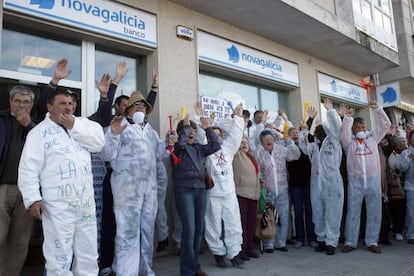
x=397, y=259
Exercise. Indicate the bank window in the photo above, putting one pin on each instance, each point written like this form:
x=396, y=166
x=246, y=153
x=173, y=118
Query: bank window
x=252, y=96
x=37, y=55
x=106, y=61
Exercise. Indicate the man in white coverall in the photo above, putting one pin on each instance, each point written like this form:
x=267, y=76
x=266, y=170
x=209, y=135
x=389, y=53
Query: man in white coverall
x=132, y=146
x=272, y=158
x=222, y=204
x=55, y=180
x=327, y=192
x=364, y=178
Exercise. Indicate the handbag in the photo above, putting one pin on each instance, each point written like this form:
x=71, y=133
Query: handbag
x=266, y=223
x=395, y=190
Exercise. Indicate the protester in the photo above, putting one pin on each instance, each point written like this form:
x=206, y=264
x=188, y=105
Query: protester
x=55, y=180
x=15, y=220
x=364, y=181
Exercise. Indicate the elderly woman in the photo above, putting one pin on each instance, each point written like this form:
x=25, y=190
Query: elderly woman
x=246, y=178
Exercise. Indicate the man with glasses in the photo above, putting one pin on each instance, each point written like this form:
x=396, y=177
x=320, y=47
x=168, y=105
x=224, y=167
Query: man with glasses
x=15, y=221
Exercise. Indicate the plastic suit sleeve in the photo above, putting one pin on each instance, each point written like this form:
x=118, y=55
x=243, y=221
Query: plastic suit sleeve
x=405, y=161
x=346, y=131
x=233, y=140
x=333, y=124
x=89, y=134
x=110, y=149
x=292, y=152
x=383, y=124
x=31, y=163
x=303, y=144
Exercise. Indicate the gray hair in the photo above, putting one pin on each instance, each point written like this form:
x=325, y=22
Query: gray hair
x=20, y=89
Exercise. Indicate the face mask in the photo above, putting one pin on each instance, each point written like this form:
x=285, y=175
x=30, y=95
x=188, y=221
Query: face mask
x=360, y=135
x=317, y=141
x=138, y=117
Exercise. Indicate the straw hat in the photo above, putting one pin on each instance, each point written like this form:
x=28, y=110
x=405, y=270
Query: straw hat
x=137, y=96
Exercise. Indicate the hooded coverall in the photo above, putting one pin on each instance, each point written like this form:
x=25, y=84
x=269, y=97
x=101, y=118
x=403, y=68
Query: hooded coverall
x=327, y=192
x=273, y=172
x=364, y=178
x=55, y=168
x=222, y=204
x=133, y=156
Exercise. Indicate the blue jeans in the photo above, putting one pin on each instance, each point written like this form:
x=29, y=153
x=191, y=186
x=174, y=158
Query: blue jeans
x=191, y=206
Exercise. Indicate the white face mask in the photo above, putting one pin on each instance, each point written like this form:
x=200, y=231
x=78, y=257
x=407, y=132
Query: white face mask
x=138, y=117
x=360, y=135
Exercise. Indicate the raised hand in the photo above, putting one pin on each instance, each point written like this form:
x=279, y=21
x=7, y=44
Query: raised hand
x=265, y=116
x=327, y=103
x=373, y=104
x=103, y=85
x=116, y=127
x=171, y=138
x=205, y=122
x=198, y=108
x=238, y=111
x=342, y=110
x=121, y=71
x=60, y=71
x=154, y=78
x=312, y=112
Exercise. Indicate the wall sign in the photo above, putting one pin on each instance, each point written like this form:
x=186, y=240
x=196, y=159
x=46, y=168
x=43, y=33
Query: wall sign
x=216, y=50
x=342, y=90
x=104, y=17
x=388, y=94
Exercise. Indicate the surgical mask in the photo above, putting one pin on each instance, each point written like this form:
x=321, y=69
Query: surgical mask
x=138, y=117
x=360, y=135
x=317, y=141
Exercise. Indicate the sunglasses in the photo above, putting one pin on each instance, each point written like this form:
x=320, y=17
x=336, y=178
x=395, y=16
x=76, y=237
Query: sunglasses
x=140, y=103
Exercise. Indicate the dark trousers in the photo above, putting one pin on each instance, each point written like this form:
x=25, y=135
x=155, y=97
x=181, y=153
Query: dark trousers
x=108, y=230
x=384, y=234
x=396, y=207
x=302, y=205
x=248, y=211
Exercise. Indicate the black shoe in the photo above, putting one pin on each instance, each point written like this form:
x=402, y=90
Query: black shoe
x=290, y=241
x=253, y=254
x=385, y=242
x=330, y=250
x=220, y=261
x=162, y=245
x=270, y=250
x=244, y=256
x=321, y=247
x=283, y=249
x=236, y=261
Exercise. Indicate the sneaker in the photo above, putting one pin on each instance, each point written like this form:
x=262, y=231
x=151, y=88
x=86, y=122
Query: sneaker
x=244, y=256
x=330, y=250
x=106, y=271
x=298, y=245
x=162, y=245
x=374, y=249
x=410, y=241
x=237, y=261
x=220, y=261
x=253, y=254
x=313, y=244
x=347, y=249
x=321, y=247
x=283, y=249
x=270, y=250
x=399, y=237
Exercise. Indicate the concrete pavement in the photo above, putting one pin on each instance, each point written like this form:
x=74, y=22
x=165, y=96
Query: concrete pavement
x=397, y=259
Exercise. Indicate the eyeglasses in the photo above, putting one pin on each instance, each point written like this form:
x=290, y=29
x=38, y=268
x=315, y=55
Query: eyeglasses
x=140, y=103
x=19, y=102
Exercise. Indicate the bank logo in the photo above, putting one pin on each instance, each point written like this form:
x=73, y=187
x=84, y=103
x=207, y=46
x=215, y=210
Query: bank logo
x=43, y=4
x=333, y=86
x=234, y=55
x=389, y=95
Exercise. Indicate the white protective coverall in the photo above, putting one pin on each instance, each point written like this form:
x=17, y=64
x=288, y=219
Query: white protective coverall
x=162, y=184
x=55, y=168
x=364, y=178
x=222, y=201
x=133, y=155
x=273, y=173
x=254, y=135
x=327, y=191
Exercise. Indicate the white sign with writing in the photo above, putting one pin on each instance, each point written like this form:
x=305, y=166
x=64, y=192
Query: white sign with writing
x=216, y=50
x=342, y=90
x=216, y=108
x=105, y=17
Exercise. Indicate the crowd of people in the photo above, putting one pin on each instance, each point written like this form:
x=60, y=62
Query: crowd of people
x=222, y=171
